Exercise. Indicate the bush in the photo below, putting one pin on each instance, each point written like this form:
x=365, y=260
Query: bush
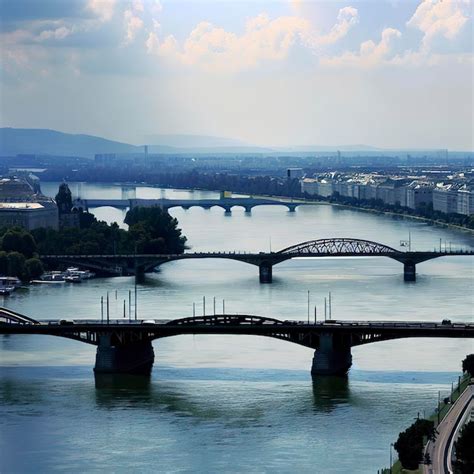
x=468, y=365
x=464, y=450
x=409, y=444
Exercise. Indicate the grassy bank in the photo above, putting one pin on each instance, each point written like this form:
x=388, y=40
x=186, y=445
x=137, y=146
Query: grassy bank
x=443, y=410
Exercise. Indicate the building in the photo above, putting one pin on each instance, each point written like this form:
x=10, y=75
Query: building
x=294, y=173
x=445, y=198
x=21, y=206
x=419, y=193
x=309, y=186
x=465, y=203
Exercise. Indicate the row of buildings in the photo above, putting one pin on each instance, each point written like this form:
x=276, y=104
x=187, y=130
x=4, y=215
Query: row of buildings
x=452, y=196
x=23, y=205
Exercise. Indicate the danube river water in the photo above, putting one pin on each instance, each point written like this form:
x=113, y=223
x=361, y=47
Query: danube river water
x=237, y=403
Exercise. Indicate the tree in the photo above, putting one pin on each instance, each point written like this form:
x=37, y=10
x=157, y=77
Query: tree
x=17, y=239
x=16, y=265
x=468, y=365
x=33, y=268
x=464, y=450
x=3, y=263
x=409, y=444
x=157, y=230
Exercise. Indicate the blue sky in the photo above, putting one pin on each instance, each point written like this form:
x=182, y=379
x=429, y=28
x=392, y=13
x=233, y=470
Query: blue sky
x=393, y=74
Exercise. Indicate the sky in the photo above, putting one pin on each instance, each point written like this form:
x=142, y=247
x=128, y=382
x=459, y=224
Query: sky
x=392, y=74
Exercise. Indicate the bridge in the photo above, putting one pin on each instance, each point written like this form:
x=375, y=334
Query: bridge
x=135, y=264
x=124, y=346
x=248, y=203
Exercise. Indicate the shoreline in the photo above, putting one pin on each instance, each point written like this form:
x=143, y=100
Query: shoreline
x=301, y=200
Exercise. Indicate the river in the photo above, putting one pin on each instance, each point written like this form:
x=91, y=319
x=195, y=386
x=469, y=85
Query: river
x=237, y=403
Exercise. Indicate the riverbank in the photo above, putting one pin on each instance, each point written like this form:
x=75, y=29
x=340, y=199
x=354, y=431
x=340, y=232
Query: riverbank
x=313, y=201
x=374, y=211
x=437, y=417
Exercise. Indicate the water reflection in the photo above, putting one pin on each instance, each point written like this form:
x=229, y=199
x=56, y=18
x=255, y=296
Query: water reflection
x=331, y=392
x=122, y=382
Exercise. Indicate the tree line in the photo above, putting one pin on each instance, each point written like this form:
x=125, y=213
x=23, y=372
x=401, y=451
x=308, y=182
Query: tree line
x=151, y=230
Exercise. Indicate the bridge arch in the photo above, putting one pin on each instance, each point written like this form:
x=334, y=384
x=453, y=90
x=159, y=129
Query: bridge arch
x=12, y=317
x=338, y=246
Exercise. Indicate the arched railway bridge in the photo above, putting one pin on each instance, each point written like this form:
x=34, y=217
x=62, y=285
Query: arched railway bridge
x=125, y=346
x=133, y=264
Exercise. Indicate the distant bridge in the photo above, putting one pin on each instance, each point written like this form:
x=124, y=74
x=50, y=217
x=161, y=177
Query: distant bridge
x=133, y=264
x=125, y=346
x=248, y=203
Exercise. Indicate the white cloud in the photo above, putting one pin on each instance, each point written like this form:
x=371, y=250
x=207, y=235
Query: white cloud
x=369, y=54
x=439, y=18
x=104, y=9
x=133, y=24
x=346, y=19
x=57, y=34
x=264, y=39
x=137, y=6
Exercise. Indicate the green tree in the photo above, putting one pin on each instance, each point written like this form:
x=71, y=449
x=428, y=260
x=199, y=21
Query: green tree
x=17, y=239
x=3, y=263
x=409, y=444
x=464, y=450
x=158, y=230
x=468, y=365
x=16, y=265
x=33, y=268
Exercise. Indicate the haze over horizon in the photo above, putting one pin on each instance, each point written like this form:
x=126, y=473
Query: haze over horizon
x=271, y=74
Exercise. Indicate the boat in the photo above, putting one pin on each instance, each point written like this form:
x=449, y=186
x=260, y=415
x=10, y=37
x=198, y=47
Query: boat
x=73, y=279
x=82, y=274
x=9, y=284
x=51, y=277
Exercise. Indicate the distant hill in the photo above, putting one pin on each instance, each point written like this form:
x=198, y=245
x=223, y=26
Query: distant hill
x=14, y=141
x=194, y=141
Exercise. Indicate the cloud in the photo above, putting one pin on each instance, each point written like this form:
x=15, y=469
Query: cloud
x=133, y=24
x=57, y=34
x=264, y=39
x=439, y=18
x=369, y=54
x=346, y=19
x=104, y=9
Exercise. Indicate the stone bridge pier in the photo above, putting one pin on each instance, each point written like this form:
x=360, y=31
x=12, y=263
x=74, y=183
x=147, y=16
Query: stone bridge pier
x=265, y=270
x=130, y=357
x=409, y=271
x=333, y=357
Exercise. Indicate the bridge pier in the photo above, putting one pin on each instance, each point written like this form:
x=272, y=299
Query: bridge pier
x=131, y=358
x=409, y=271
x=227, y=210
x=248, y=209
x=333, y=356
x=291, y=208
x=265, y=273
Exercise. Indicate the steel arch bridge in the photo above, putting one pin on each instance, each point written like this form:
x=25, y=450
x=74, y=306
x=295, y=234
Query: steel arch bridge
x=339, y=246
x=126, y=346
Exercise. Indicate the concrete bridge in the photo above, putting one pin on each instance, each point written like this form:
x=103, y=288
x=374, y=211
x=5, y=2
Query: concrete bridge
x=248, y=203
x=124, y=346
x=134, y=264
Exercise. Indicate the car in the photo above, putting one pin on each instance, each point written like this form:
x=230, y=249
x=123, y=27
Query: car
x=149, y=321
x=66, y=322
x=446, y=322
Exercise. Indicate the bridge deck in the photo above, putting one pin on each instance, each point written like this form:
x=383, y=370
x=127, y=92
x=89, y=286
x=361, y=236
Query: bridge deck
x=238, y=324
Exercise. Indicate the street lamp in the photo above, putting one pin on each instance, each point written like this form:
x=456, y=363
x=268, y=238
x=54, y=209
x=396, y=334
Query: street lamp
x=391, y=444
